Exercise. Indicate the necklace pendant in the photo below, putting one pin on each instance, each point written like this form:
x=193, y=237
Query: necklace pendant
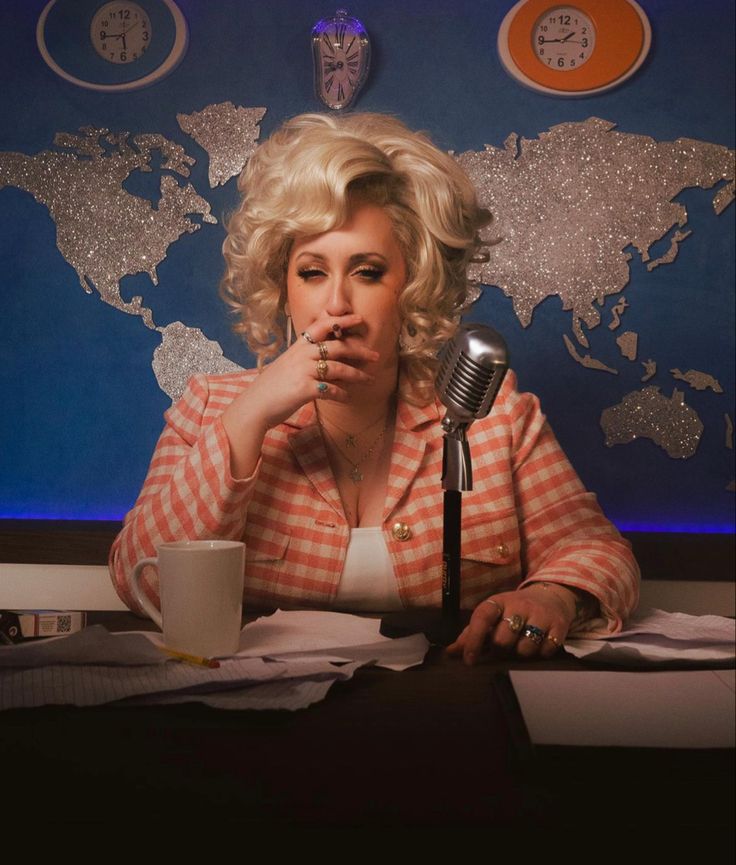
x=350, y=441
x=356, y=476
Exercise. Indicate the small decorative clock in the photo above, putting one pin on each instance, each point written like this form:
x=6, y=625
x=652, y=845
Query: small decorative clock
x=112, y=46
x=574, y=49
x=341, y=51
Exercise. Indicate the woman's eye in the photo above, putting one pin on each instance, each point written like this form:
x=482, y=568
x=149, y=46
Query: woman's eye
x=372, y=274
x=309, y=273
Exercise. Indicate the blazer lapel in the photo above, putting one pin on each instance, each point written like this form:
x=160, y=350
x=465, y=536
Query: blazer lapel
x=411, y=442
x=309, y=450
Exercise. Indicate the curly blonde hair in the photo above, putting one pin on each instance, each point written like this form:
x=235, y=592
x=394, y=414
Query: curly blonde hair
x=305, y=179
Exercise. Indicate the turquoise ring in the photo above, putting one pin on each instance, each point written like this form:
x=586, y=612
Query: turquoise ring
x=536, y=635
x=321, y=387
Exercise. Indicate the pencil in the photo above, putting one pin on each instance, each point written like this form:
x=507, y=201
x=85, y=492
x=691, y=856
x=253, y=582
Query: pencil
x=212, y=663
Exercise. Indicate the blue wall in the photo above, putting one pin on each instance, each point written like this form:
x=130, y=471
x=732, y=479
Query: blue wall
x=82, y=409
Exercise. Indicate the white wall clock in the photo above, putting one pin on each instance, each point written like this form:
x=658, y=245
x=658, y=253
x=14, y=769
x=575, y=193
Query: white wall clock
x=112, y=46
x=574, y=49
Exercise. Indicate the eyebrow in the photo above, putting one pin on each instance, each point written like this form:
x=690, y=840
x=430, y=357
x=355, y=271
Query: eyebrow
x=352, y=261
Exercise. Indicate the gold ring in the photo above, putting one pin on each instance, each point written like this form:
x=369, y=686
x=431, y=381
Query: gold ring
x=515, y=622
x=321, y=370
x=495, y=604
x=554, y=640
x=322, y=350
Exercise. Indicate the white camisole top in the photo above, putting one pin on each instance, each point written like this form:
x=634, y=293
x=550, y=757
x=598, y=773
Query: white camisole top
x=368, y=582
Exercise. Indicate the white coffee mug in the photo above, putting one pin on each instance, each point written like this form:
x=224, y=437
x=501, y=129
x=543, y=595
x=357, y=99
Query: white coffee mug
x=201, y=586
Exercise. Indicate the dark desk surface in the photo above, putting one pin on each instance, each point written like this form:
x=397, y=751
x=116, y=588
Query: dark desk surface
x=433, y=748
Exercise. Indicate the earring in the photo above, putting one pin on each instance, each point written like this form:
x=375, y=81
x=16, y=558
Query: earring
x=289, y=326
x=408, y=338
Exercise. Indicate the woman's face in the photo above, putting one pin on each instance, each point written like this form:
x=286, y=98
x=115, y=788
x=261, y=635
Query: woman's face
x=357, y=268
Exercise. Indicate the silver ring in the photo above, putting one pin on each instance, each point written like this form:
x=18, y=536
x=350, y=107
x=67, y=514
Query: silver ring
x=536, y=635
x=322, y=350
x=308, y=338
x=515, y=622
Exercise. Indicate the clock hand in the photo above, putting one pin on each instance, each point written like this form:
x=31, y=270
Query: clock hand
x=564, y=39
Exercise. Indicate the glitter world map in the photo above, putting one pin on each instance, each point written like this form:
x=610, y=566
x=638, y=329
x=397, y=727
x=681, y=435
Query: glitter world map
x=566, y=207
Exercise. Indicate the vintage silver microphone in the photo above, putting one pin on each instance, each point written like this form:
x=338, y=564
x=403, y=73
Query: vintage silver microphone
x=472, y=368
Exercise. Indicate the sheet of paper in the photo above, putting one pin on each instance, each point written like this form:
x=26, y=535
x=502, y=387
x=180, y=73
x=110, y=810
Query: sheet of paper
x=653, y=637
x=328, y=635
x=399, y=654
x=306, y=630
x=284, y=693
x=683, y=709
x=93, y=685
x=94, y=666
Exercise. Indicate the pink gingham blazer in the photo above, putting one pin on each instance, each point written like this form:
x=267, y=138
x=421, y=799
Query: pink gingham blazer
x=528, y=517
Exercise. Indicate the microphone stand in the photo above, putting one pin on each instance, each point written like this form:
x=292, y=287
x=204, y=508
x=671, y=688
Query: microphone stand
x=443, y=627
x=457, y=476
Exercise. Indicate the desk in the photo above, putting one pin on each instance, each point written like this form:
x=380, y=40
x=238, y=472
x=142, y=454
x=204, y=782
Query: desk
x=429, y=749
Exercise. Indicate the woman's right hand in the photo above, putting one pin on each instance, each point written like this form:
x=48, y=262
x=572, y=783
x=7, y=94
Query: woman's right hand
x=291, y=381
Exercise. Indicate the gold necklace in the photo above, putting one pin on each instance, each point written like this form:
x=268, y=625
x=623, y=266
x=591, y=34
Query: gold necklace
x=351, y=439
x=355, y=474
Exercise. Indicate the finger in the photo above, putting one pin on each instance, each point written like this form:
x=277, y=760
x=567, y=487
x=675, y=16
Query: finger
x=483, y=621
x=551, y=645
x=323, y=327
x=347, y=350
x=531, y=640
x=326, y=391
x=324, y=370
x=457, y=647
x=506, y=635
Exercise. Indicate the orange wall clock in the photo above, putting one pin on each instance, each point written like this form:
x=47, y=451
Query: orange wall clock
x=574, y=49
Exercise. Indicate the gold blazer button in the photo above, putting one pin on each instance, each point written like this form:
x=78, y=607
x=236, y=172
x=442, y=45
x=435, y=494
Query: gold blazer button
x=502, y=550
x=401, y=532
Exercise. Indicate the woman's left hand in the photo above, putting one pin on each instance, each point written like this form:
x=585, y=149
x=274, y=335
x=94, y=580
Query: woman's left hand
x=531, y=622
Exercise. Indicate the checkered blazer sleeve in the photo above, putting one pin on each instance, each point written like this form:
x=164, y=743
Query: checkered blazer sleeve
x=565, y=538
x=189, y=492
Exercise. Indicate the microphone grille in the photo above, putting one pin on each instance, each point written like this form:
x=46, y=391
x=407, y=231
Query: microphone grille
x=472, y=368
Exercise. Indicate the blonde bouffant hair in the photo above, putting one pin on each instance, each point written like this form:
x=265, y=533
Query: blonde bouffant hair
x=305, y=179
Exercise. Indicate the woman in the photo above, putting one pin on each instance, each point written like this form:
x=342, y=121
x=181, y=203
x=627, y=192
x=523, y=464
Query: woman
x=346, y=265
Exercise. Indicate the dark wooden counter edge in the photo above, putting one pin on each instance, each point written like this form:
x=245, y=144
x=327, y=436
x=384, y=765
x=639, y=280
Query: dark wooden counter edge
x=661, y=555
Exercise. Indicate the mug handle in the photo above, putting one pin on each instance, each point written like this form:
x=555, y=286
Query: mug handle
x=140, y=595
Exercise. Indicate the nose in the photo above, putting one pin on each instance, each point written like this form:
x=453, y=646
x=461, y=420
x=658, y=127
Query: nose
x=338, y=300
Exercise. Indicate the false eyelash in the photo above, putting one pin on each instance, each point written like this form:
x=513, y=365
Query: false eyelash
x=374, y=273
